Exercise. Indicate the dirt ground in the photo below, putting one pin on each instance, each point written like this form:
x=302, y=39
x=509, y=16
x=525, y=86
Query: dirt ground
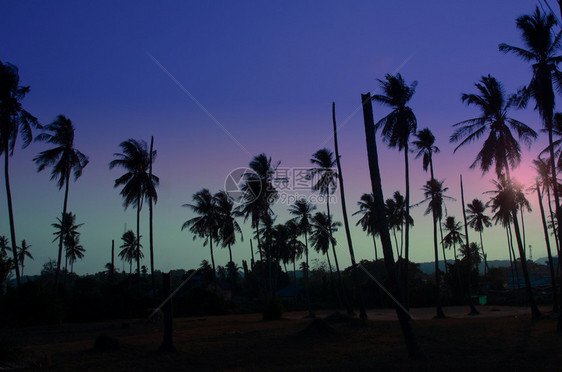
x=500, y=338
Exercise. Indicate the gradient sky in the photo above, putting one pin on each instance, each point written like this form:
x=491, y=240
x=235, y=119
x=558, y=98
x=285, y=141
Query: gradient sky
x=268, y=72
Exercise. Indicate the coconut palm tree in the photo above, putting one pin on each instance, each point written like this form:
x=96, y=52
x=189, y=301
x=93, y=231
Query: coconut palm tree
x=227, y=225
x=138, y=184
x=302, y=210
x=66, y=229
x=542, y=45
x=4, y=245
x=500, y=147
x=367, y=221
x=478, y=220
x=321, y=237
x=206, y=224
x=23, y=252
x=64, y=160
x=434, y=193
x=542, y=167
x=395, y=209
x=14, y=120
x=397, y=127
x=454, y=235
x=74, y=250
x=129, y=248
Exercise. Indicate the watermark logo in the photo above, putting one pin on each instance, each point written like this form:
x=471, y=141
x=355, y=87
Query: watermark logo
x=243, y=185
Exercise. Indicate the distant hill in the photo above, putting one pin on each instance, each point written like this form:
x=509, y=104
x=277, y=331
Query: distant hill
x=428, y=267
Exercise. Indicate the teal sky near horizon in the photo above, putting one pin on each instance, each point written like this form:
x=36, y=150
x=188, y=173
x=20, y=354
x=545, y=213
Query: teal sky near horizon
x=268, y=72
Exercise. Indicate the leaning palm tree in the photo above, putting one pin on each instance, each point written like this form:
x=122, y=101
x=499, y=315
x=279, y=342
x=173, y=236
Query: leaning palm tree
x=64, y=159
x=397, y=127
x=23, y=253
x=205, y=225
x=478, y=220
x=138, y=184
x=434, y=193
x=302, y=210
x=367, y=221
x=454, y=235
x=227, y=225
x=74, y=251
x=129, y=248
x=14, y=120
x=500, y=148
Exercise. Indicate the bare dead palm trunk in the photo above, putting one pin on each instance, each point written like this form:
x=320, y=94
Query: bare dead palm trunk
x=414, y=350
x=406, y=277
x=443, y=245
x=11, y=213
x=138, y=237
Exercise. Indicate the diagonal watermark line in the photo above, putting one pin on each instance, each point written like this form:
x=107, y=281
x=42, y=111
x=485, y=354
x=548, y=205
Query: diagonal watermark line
x=198, y=103
x=350, y=116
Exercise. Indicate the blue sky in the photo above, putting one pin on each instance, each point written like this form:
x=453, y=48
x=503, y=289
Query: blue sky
x=268, y=72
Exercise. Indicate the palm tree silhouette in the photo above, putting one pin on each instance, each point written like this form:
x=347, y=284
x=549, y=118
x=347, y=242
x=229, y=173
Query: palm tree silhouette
x=542, y=167
x=14, y=120
x=478, y=220
x=206, y=224
x=74, y=250
x=396, y=130
x=129, y=248
x=23, y=252
x=64, y=159
x=4, y=245
x=227, y=225
x=66, y=229
x=500, y=147
x=454, y=235
x=302, y=210
x=138, y=184
x=434, y=193
x=395, y=209
x=321, y=237
x=368, y=219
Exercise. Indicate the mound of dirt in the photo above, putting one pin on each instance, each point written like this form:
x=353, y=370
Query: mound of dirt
x=318, y=328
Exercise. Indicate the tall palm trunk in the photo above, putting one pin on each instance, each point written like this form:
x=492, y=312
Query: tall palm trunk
x=547, y=242
x=414, y=350
x=473, y=310
x=509, y=245
x=405, y=274
x=11, y=213
x=554, y=229
x=252, y=252
x=306, y=283
x=439, y=309
x=150, y=216
x=230, y=252
x=443, y=245
x=212, y=254
x=534, y=309
x=375, y=245
x=66, y=181
x=357, y=289
x=486, y=268
x=138, y=236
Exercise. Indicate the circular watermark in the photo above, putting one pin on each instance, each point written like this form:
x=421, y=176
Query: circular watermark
x=242, y=185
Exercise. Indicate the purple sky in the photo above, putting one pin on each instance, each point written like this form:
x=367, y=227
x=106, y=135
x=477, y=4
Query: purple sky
x=268, y=72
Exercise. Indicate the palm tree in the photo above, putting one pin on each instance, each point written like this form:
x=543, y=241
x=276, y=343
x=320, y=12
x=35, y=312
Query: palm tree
x=396, y=130
x=63, y=158
x=434, y=193
x=4, y=245
x=227, y=225
x=321, y=237
x=302, y=210
x=138, y=184
x=129, y=248
x=478, y=220
x=74, y=250
x=367, y=220
x=395, y=209
x=500, y=147
x=259, y=192
x=13, y=121
x=66, y=229
x=542, y=167
x=23, y=252
x=425, y=146
x=206, y=224
x=454, y=235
